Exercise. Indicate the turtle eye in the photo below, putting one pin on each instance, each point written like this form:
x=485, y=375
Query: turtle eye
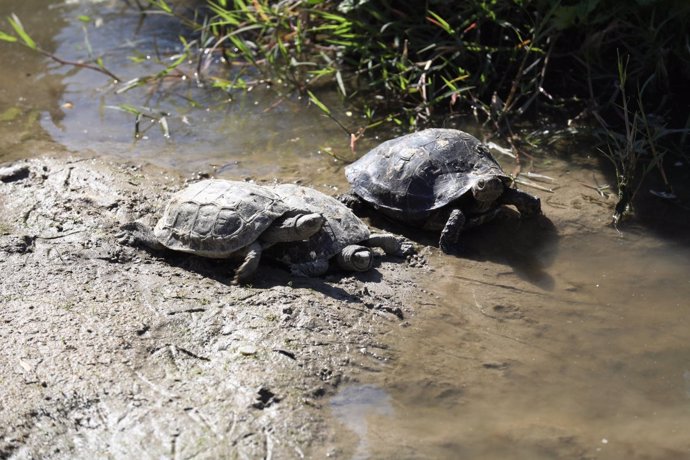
x=481, y=183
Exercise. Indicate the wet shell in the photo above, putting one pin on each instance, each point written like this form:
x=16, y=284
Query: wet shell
x=412, y=175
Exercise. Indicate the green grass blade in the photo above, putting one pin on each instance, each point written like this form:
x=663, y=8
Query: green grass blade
x=318, y=103
x=442, y=23
x=162, y=5
x=7, y=37
x=19, y=29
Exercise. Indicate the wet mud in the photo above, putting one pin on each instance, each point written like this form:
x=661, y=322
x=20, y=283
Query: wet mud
x=113, y=351
x=558, y=337
x=554, y=337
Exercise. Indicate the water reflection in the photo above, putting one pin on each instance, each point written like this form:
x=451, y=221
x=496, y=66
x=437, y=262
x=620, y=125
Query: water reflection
x=355, y=406
x=265, y=133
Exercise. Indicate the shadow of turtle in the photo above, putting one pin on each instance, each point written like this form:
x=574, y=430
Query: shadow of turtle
x=529, y=246
x=269, y=274
x=274, y=273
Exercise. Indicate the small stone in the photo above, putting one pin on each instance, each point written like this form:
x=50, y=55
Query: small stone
x=247, y=350
x=14, y=173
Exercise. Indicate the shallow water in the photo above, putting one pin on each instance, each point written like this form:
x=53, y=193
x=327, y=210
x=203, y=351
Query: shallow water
x=258, y=134
x=596, y=367
x=560, y=340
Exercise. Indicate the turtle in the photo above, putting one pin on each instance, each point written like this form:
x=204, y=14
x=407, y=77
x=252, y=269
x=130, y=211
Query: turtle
x=222, y=219
x=343, y=236
x=436, y=179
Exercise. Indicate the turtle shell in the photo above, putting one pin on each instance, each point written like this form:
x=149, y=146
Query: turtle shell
x=412, y=175
x=340, y=229
x=214, y=218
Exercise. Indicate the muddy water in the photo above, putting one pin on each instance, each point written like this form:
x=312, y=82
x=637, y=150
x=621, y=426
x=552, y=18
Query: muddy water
x=555, y=339
x=496, y=367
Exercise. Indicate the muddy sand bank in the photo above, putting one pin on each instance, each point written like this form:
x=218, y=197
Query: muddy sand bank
x=111, y=350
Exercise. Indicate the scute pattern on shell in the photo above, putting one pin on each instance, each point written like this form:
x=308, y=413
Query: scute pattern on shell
x=214, y=218
x=423, y=171
x=340, y=229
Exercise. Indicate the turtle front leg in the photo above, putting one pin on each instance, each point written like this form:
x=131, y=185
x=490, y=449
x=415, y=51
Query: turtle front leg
x=392, y=245
x=528, y=205
x=352, y=201
x=451, y=231
x=250, y=264
x=355, y=258
x=138, y=234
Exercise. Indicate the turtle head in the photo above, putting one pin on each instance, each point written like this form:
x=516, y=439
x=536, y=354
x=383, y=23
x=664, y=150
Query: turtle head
x=293, y=228
x=487, y=190
x=308, y=224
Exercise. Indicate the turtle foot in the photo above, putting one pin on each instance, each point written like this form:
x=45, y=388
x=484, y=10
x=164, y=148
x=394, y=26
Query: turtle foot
x=531, y=208
x=528, y=205
x=352, y=201
x=392, y=245
x=355, y=258
x=451, y=232
x=448, y=247
x=138, y=234
x=309, y=269
x=245, y=272
x=407, y=248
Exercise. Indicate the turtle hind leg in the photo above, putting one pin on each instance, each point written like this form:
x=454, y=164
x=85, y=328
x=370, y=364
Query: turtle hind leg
x=138, y=234
x=246, y=270
x=450, y=235
x=528, y=205
x=392, y=245
x=355, y=258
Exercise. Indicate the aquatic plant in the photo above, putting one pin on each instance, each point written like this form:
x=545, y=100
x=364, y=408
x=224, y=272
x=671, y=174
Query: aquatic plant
x=639, y=149
x=22, y=37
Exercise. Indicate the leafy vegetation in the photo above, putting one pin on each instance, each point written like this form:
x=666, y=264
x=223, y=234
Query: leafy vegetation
x=623, y=64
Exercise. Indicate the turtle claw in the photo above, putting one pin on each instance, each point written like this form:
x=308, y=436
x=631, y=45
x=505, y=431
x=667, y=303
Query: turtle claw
x=407, y=248
x=125, y=239
x=447, y=247
x=125, y=236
